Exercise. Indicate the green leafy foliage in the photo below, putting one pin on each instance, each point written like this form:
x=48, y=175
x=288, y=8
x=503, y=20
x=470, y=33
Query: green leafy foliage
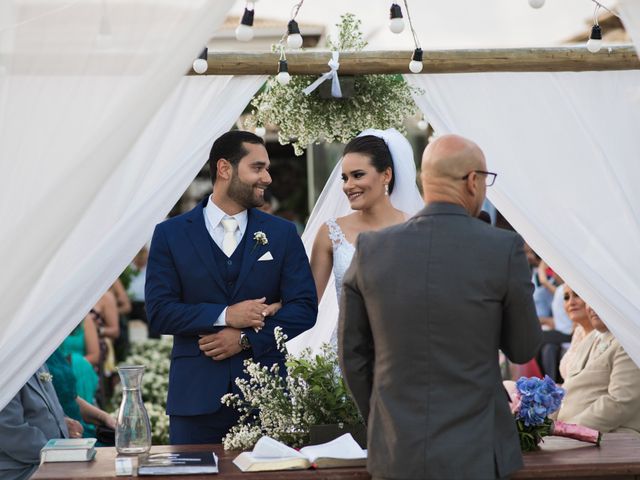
x=531, y=436
x=313, y=392
x=379, y=101
x=126, y=276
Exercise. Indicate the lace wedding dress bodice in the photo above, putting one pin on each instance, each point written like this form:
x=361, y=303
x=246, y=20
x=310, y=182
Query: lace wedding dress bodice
x=342, y=253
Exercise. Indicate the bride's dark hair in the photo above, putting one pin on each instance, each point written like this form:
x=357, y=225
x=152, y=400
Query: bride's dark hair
x=376, y=149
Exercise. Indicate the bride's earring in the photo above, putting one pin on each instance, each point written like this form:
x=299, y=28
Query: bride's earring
x=386, y=189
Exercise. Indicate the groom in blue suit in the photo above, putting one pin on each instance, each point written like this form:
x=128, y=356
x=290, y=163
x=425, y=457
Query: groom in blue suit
x=220, y=278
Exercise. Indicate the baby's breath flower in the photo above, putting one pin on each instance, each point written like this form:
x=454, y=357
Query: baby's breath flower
x=379, y=101
x=155, y=355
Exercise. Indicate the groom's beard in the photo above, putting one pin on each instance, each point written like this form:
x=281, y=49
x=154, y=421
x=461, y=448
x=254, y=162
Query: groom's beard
x=243, y=193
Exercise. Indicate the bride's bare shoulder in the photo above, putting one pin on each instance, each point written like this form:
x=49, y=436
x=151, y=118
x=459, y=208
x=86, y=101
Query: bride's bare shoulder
x=347, y=220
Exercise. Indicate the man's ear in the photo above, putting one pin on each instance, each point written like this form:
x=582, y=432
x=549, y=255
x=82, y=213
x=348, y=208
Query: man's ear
x=223, y=169
x=471, y=185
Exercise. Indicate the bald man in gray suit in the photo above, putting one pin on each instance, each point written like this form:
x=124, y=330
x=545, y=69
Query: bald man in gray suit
x=425, y=307
x=27, y=423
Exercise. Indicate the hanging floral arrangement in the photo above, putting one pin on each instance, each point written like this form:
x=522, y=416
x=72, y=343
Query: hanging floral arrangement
x=378, y=101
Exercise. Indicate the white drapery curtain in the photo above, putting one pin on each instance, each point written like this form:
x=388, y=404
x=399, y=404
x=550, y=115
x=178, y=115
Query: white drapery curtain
x=81, y=185
x=630, y=13
x=565, y=147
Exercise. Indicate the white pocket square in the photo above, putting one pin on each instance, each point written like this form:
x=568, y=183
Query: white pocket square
x=265, y=257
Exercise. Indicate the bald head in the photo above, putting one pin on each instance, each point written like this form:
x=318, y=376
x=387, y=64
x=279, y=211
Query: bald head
x=445, y=162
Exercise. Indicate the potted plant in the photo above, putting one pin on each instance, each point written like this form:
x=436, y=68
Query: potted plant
x=288, y=408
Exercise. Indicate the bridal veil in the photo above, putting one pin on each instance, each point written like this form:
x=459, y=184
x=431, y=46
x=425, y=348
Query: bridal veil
x=333, y=203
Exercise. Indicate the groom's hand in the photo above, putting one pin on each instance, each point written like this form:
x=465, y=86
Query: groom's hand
x=247, y=314
x=221, y=345
x=272, y=309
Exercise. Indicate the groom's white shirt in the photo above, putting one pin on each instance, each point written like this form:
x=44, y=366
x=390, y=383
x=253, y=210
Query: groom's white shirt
x=213, y=216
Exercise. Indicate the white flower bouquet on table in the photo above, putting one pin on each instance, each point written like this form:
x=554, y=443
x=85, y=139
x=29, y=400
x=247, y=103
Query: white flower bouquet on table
x=313, y=392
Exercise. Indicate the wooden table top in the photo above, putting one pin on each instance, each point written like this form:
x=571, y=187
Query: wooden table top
x=617, y=457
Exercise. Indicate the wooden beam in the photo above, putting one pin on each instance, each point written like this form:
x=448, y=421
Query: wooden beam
x=558, y=59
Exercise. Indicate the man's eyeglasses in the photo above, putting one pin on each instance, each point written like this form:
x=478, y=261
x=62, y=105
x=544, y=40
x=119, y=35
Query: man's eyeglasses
x=490, y=177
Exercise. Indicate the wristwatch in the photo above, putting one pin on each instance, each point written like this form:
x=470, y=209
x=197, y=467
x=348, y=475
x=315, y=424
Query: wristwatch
x=244, y=341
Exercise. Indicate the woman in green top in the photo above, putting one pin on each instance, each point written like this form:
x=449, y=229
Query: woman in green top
x=75, y=407
x=82, y=350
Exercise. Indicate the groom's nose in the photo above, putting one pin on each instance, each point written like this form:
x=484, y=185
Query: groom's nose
x=265, y=177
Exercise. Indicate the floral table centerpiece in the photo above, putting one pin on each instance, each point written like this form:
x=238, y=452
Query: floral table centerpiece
x=532, y=402
x=313, y=392
x=379, y=101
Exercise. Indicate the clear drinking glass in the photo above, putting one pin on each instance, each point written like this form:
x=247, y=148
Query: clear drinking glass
x=133, y=429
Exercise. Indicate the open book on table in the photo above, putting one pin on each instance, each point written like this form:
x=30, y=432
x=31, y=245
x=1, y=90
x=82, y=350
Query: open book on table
x=270, y=454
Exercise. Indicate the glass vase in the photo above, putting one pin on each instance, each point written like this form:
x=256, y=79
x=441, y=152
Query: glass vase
x=133, y=429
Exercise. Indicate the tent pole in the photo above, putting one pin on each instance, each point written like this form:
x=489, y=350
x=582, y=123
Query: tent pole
x=557, y=59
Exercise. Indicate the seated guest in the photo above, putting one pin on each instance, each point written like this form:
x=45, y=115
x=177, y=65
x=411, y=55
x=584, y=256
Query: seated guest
x=121, y=343
x=576, y=308
x=27, y=423
x=136, y=287
x=545, y=283
x=75, y=407
x=104, y=315
x=603, y=384
x=82, y=349
x=556, y=333
x=135, y=291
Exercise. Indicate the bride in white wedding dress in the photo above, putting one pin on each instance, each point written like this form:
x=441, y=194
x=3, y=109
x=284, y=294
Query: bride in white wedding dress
x=377, y=176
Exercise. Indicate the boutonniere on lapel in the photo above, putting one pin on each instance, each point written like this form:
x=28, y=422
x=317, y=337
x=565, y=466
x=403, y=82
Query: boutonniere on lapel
x=45, y=377
x=260, y=238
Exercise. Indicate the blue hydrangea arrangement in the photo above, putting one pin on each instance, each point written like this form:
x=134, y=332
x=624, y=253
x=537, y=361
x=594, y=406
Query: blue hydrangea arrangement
x=535, y=399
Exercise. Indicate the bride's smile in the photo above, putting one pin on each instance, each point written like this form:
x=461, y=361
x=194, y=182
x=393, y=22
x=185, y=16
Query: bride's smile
x=362, y=183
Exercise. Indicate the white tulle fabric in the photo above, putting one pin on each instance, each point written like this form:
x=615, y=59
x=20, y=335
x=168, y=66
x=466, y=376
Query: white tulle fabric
x=100, y=133
x=565, y=146
x=333, y=203
x=630, y=12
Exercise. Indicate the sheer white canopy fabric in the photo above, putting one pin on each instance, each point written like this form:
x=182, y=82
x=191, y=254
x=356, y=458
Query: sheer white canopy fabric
x=79, y=82
x=565, y=147
x=630, y=13
x=333, y=203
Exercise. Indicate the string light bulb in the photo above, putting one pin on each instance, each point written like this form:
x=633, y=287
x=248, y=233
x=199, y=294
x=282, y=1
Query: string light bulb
x=244, y=31
x=283, y=76
x=416, y=61
x=396, y=22
x=536, y=3
x=200, y=64
x=294, y=39
x=595, y=39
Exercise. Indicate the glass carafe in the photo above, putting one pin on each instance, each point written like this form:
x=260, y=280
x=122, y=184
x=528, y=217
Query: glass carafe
x=133, y=430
